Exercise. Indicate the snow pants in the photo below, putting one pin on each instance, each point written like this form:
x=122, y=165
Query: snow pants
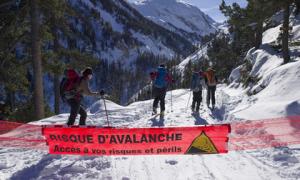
x=159, y=96
x=197, y=98
x=76, y=108
x=211, y=90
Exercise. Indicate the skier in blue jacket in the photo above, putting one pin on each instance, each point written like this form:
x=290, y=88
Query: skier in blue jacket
x=198, y=82
x=161, y=80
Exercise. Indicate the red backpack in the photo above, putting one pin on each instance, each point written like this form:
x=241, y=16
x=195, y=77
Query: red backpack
x=69, y=84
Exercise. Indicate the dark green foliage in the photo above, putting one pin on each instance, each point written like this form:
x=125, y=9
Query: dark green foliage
x=24, y=112
x=246, y=27
x=222, y=56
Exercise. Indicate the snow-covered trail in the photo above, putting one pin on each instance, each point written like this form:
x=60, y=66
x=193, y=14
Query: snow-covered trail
x=255, y=164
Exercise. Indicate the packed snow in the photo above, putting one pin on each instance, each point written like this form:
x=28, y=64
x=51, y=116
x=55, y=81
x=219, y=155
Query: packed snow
x=251, y=164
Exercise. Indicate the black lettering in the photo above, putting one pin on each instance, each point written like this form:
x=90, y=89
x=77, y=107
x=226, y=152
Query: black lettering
x=53, y=137
x=101, y=139
x=73, y=138
x=178, y=137
x=169, y=137
x=144, y=138
x=64, y=138
x=128, y=139
x=161, y=137
x=113, y=140
x=89, y=139
x=120, y=139
x=152, y=137
x=56, y=148
x=135, y=140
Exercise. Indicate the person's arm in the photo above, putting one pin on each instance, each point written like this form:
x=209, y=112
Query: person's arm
x=170, y=79
x=192, y=83
x=205, y=78
x=153, y=75
x=87, y=91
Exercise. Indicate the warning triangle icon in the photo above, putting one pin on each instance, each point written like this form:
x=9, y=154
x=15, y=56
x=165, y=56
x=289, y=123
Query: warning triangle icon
x=202, y=144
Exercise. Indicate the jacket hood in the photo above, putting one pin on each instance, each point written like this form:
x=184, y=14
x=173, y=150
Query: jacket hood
x=161, y=69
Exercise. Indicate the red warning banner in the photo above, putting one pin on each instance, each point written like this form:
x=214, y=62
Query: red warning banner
x=136, y=141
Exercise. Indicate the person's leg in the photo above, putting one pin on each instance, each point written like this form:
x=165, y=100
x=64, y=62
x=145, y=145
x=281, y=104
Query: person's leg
x=74, y=105
x=194, y=101
x=198, y=100
x=208, y=95
x=83, y=116
x=156, y=99
x=155, y=104
x=162, y=100
x=213, y=98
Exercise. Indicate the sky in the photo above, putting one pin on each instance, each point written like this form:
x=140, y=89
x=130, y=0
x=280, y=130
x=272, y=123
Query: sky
x=211, y=7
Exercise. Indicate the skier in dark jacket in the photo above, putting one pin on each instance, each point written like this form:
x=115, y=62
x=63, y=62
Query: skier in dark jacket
x=211, y=82
x=198, y=83
x=161, y=80
x=74, y=97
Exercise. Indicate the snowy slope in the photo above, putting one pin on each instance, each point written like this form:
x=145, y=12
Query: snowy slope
x=193, y=58
x=277, y=91
x=115, y=31
x=178, y=16
x=254, y=164
x=201, y=53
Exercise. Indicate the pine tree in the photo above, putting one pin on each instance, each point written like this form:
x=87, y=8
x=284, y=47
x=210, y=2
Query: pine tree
x=13, y=66
x=258, y=11
x=286, y=29
x=297, y=2
x=37, y=60
x=239, y=27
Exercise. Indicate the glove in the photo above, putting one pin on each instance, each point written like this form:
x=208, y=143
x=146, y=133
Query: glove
x=102, y=92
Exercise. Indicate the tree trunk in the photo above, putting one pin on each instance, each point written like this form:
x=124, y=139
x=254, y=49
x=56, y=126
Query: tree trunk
x=285, y=36
x=37, y=62
x=10, y=99
x=297, y=7
x=258, y=35
x=56, y=94
x=56, y=75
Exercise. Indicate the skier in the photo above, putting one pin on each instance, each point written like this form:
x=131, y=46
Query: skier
x=211, y=82
x=197, y=85
x=73, y=87
x=161, y=81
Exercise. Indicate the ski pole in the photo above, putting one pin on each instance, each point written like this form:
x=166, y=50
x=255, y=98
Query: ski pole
x=151, y=94
x=187, y=106
x=171, y=101
x=105, y=111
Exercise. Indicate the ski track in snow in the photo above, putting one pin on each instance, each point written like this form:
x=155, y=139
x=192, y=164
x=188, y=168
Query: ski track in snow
x=255, y=164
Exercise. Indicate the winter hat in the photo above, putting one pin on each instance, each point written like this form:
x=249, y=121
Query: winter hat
x=162, y=66
x=87, y=71
x=210, y=69
x=195, y=69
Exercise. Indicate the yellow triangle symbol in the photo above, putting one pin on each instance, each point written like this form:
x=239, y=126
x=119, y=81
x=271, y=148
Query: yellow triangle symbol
x=202, y=145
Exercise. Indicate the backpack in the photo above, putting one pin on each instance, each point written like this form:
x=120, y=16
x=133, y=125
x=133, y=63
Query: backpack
x=161, y=78
x=196, y=85
x=69, y=84
x=211, y=78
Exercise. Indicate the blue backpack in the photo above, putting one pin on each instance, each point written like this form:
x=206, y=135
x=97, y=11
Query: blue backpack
x=196, y=85
x=160, y=81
